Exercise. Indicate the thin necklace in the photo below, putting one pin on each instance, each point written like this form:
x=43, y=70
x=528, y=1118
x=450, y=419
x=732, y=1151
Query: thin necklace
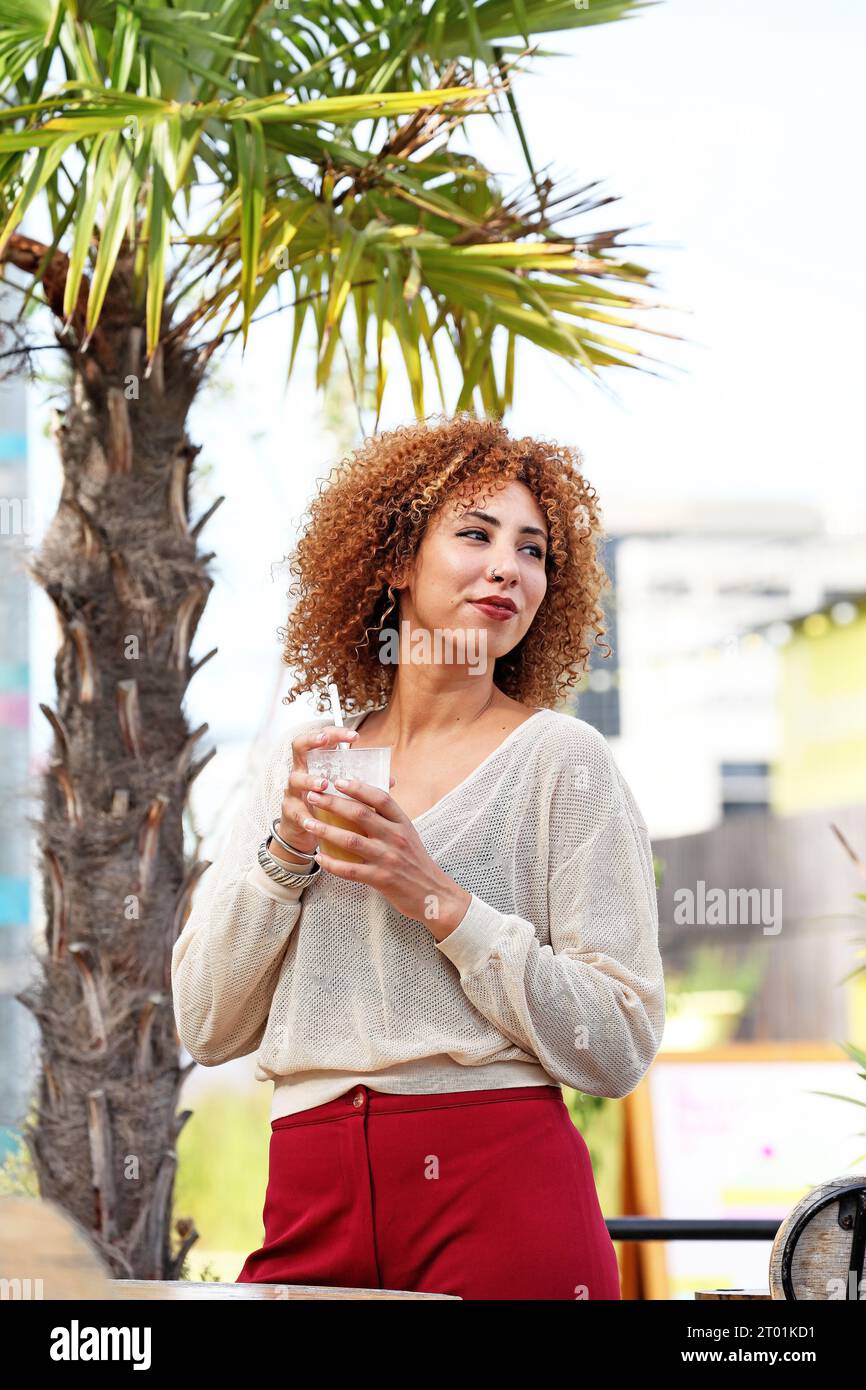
x=482, y=711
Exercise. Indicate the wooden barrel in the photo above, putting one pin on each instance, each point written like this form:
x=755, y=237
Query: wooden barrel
x=819, y=1247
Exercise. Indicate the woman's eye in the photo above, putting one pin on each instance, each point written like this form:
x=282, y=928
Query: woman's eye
x=483, y=534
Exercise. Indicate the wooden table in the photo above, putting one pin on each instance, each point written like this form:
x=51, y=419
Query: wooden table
x=183, y=1289
x=44, y=1254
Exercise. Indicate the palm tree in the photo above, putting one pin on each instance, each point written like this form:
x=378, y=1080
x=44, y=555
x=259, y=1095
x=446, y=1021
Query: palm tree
x=192, y=166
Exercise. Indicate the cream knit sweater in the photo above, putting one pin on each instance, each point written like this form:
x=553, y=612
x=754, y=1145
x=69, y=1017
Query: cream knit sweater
x=552, y=977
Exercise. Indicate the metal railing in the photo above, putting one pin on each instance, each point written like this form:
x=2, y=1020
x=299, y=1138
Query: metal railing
x=689, y=1228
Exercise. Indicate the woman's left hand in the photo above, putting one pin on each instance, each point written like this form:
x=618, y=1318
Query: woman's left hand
x=395, y=860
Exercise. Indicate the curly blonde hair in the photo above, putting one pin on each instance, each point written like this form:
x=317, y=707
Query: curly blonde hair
x=367, y=522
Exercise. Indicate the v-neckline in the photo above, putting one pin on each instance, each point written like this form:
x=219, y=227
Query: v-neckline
x=538, y=709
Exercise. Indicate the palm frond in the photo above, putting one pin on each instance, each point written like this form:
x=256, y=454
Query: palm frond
x=321, y=134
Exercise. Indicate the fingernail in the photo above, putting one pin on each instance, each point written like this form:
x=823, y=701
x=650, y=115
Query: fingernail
x=320, y=738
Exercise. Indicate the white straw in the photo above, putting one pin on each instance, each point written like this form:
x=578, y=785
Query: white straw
x=336, y=709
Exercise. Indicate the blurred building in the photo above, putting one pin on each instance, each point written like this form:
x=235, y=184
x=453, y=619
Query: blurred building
x=821, y=753
x=599, y=699
x=735, y=703
x=701, y=609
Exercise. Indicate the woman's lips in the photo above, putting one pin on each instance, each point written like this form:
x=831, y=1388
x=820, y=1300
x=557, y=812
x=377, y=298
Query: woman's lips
x=493, y=610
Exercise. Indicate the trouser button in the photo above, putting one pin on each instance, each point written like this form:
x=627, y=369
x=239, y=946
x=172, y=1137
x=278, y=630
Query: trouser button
x=358, y=1100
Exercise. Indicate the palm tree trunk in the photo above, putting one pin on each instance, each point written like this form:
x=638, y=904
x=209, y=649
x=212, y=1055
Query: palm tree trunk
x=120, y=564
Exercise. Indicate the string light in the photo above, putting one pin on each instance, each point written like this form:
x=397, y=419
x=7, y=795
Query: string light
x=775, y=634
x=816, y=625
x=843, y=613
x=600, y=681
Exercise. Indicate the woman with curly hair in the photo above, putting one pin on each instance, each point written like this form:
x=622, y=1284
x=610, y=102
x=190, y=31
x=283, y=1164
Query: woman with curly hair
x=493, y=934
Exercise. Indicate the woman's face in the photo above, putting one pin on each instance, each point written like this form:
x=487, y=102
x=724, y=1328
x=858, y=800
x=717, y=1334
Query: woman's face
x=462, y=549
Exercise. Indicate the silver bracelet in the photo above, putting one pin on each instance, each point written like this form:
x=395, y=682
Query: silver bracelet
x=275, y=835
x=282, y=873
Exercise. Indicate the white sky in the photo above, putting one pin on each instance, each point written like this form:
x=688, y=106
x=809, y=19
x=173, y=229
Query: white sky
x=734, y=133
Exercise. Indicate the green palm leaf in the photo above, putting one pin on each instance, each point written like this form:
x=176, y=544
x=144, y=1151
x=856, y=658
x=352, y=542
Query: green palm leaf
x=316, y=138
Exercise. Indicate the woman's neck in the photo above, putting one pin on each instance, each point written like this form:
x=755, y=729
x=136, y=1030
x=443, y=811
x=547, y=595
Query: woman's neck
x=422, y=715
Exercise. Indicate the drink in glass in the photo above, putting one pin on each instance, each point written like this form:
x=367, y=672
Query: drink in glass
x=372, y=765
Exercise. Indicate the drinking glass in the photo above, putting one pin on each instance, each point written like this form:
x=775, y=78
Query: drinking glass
x=371, y=765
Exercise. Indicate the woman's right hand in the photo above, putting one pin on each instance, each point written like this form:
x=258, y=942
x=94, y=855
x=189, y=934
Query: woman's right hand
x=294, y=810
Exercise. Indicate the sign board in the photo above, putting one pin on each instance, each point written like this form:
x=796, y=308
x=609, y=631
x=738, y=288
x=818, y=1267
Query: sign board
x=734, y=1131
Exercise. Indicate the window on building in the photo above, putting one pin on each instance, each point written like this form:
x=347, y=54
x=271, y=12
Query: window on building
x=745, y=786
x=598, y=701
x=670, y=587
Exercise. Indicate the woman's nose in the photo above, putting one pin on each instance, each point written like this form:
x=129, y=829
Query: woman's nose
x=503, y=566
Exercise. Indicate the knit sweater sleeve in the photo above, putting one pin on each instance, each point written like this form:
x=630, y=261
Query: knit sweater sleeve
x=591, y=1005
x=227, y=959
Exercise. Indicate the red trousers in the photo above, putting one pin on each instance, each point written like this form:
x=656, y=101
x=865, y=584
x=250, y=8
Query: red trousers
x=483, y=1194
